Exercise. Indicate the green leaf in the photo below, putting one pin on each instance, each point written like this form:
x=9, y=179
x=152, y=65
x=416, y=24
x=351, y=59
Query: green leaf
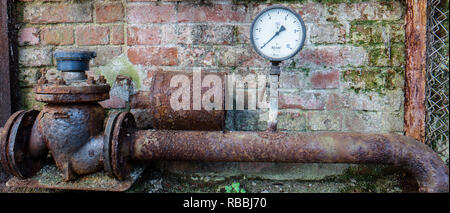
x=243, y=191
x=228, y=189
x=235, y=185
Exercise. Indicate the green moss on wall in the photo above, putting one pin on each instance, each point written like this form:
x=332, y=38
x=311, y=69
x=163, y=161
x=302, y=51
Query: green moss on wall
x=120, y=66
x=376, y=80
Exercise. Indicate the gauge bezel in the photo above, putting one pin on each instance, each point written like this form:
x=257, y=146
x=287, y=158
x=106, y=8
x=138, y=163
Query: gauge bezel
x=301, y=23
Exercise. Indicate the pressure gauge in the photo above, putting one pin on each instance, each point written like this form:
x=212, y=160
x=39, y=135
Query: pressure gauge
x=277, y=33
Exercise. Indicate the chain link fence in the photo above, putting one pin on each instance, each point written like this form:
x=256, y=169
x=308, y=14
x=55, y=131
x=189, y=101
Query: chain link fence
x=437, y=118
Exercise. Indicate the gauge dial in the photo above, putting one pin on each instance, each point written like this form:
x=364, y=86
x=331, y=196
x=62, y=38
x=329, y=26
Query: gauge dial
x=277, y=33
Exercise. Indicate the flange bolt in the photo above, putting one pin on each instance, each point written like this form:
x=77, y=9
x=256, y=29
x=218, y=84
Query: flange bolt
x=91, y=80
x=60, y=81
x=43, y=80
x=102, y=79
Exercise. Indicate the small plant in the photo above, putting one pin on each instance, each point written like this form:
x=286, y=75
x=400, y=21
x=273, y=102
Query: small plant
x=234, y=188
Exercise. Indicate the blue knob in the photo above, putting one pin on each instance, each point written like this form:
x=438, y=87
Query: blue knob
x=74, y=61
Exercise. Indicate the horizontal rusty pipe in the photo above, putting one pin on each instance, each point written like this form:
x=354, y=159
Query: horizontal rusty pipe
x=404, y=152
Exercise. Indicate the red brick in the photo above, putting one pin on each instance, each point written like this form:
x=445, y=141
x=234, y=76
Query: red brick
x=153, y=56
x=168, y=34
x=92, y=35
x=57, y=13
x=311, y=12
x=57, y=35
x=236, y=56
x=333, y=56
x=197, y=56
x=211, y=13
x=143, y=35
x=336, y=102
x=117, y=34
x=144, y=14
x=325, y=80
x=28, y=36
x=307, y=101
x=107, y=13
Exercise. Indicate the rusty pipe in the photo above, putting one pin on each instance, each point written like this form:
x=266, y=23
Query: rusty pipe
x=404, y=152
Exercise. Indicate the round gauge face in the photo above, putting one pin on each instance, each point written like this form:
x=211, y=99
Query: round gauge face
x=277, y=33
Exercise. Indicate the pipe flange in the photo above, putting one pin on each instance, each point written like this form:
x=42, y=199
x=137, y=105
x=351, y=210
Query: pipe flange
x=75, y=92
x=121, y=145
x=19, y=157
x=110, y=124
x=15, y=153
x=4, y=140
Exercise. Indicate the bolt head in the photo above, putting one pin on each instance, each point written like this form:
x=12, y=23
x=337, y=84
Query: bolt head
x=60, y=81
x=102, y=79
x=91, y=80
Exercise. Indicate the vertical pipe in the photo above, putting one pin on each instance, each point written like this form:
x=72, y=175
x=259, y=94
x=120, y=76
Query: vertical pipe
x=415, y=79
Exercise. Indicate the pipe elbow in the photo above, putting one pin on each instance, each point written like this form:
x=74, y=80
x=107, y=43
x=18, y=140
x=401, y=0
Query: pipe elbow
x=424, y=164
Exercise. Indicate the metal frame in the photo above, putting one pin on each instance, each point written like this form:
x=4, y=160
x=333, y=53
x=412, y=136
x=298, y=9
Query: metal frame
x=8, y=61
x=301, y=23
x=5, y=89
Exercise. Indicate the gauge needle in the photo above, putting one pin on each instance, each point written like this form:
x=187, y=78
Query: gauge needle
x=282, y=28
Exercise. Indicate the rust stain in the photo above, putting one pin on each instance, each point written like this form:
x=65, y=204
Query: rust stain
x=425, y=165
x=415, y=78
x=164, y=117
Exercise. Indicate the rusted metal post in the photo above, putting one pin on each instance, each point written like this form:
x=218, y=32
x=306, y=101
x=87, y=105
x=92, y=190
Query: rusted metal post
x=5, y=88
x=415, y=79
x=404, y=152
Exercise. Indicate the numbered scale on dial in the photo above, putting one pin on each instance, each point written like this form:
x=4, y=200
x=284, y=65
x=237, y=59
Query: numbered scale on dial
x=277, y=33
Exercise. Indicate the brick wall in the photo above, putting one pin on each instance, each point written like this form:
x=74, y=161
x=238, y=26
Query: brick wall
x=348, y=77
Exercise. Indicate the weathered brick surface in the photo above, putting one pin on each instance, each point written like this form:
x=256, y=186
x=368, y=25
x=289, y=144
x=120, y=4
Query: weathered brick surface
x=333, y=56
x=57, y=36
x=212, y=13
x=325, y=121
x=57, y=13
x=349, y=76
x=106, y=13
x=92, y=35
x=145, y=14
x=325, y=79
x=28, y=36
x=143, y=35
x=117, y=34
x=35, y=57
x=328, y=33
x=292, y=121
x=370, y=10
x=28, y=77
x=198, y=56
x=153, y=56
x=306, y=101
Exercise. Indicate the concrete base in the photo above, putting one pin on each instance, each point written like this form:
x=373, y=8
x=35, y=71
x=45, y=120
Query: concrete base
x=49, y=178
